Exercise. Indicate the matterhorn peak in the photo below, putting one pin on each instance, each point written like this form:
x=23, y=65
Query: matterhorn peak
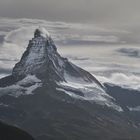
x=40, y=56
x=42, y=60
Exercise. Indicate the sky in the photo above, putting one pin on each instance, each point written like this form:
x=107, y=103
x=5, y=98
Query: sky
x=101, y=36
x=95, y=11
x=116, y=14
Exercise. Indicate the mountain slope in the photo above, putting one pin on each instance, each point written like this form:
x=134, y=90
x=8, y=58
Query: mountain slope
x=53, y=99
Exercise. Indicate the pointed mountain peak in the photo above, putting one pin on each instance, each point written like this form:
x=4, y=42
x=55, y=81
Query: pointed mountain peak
x=42, y=60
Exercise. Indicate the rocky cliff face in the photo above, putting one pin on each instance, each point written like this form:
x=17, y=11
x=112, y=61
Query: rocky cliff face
x=40, y=59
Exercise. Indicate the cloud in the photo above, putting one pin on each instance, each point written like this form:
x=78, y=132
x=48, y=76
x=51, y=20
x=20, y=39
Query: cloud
x=60, y=31
x=123, y=80
x=78, y=58
x=9, y=55
x=132, y=52
x=102, y=12
x=20, y=36
x=122, y=18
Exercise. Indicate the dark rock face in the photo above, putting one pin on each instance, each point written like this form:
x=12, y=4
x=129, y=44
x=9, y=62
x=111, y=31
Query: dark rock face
x=53, y=99
x=8, y=132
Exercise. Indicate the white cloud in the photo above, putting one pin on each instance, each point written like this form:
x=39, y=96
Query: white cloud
x=64, y=30
x=121, y=79
x=20, y=36
x=109, y=39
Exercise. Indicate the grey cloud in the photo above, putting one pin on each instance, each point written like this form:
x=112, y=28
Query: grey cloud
x=79, y=42
x=63, y=33
x=132, y=52
x=78, y=58
x=6, y=59
x=5, y=71
x=1, y=39
x=111, y=14
x=123, y=80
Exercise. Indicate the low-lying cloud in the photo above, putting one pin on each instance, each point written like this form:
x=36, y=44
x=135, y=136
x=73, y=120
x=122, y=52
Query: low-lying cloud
x=132, y=52
x=121, y=79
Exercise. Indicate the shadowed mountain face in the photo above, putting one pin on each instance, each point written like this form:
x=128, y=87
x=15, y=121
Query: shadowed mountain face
x=8, y=132
x=53, y=99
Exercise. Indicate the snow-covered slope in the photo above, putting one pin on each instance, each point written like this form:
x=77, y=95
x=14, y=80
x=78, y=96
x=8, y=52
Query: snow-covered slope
x=24, y=87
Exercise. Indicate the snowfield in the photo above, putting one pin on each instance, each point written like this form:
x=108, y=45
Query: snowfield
x=89, y=92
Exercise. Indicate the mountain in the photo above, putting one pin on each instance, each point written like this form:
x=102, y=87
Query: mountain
x=8, y=132
x=53, y=99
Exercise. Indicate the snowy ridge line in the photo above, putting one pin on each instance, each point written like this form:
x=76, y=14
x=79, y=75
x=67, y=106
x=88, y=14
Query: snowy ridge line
x=90, y=92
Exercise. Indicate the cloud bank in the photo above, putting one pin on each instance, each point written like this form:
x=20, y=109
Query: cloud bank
x=132, y=52
x=123, y=80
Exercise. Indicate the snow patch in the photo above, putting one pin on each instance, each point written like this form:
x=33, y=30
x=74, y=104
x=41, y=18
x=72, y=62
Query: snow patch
x=44, y=32
x=122, y=80
x=23, y=87
x=4, y=105
x=137, y=108
x=90, y=91
x=29, y=80
x=101, y=100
